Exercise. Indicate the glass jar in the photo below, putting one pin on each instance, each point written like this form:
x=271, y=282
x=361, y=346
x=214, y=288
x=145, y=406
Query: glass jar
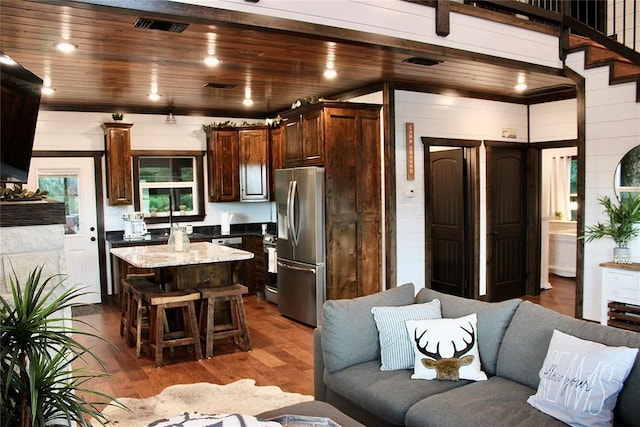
x=179, y=239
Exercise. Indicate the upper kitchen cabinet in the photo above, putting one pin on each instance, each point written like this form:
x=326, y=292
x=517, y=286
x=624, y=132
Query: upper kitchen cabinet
x=276, y=139
x=304, y=138
x=222, y=162
x=254, y=160
x=117, y=138
x=238, y=164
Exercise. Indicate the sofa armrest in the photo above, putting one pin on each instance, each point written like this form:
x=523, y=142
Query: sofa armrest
x=319, y=387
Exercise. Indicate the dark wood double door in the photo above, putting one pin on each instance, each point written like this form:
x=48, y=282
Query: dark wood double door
x=453, y=218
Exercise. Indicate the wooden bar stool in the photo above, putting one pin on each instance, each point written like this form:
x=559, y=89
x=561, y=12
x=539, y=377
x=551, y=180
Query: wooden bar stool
x=125, y=300
x=159, y=336
x=125, y=305
x=138, y=315
x=209, y=331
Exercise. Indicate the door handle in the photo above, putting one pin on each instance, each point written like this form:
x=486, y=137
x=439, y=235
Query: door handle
x=92, y=229
x=93, y=239
x=292, y=267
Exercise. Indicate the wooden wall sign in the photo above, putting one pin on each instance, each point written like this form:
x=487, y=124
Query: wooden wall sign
x=411, y=171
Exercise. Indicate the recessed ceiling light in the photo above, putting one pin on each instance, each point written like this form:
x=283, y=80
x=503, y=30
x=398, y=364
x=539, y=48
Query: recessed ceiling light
x=46, y=90
x=154, y=96
x=520, y=87
x=65, y=47
x=330, y=73
x=248, y=102
x=211, y=61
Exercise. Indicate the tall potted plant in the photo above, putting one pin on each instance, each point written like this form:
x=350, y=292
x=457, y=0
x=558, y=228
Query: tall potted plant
x=37, y=348
x=621, y=225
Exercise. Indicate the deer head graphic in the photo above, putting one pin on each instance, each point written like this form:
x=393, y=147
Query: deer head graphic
x=447, y=368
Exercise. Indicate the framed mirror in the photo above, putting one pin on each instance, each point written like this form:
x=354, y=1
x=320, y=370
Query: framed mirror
x=627, y=176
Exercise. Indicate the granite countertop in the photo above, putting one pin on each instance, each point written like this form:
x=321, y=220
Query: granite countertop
x=155, y=256
x=207, y=233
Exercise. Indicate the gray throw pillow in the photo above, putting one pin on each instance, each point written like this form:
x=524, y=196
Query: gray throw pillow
x=349, y=333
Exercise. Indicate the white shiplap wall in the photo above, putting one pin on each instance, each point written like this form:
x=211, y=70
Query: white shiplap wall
x=446, y=117
x=68, y=131
x=612, y=129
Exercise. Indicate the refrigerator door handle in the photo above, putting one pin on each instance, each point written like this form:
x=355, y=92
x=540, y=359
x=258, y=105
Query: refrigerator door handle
x=293, y=267
x=289, y=211
x=293, y=221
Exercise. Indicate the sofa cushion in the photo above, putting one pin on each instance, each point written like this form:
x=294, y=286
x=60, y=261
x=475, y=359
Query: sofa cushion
x=526, y=341
x=349, y=333
x=441, y=339
x=580, y=380
x=496, y=402
x=396, y=347
x=388, y=394
x=493, y=320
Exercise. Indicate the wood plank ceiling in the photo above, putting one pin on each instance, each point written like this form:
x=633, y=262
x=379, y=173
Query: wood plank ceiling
x=115, y=65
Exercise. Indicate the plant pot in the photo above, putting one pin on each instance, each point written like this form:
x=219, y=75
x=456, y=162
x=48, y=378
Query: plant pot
x=622, y=255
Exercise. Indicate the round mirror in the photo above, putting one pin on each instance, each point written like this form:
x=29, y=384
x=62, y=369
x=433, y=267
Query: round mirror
x=627, y=177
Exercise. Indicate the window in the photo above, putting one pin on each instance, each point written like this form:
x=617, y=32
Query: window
x=63, y=187
x=169, y=186
x=573, y=188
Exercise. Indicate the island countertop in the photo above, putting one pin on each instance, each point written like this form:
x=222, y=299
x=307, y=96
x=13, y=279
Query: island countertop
x=158, y=256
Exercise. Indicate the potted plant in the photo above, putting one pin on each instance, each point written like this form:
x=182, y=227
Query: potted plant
x=37, y=348
x=621, y=225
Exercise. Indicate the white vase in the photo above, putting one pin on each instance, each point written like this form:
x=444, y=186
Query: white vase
x=622, y=255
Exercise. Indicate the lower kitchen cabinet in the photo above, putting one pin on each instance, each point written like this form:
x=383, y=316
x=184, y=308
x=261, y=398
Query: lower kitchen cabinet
x=254, y=269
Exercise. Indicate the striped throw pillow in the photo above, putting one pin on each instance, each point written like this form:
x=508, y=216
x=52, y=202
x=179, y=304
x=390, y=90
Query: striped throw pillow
x=396, y=347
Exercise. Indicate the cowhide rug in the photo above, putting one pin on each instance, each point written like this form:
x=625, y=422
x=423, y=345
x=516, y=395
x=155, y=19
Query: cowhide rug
x=240, y=397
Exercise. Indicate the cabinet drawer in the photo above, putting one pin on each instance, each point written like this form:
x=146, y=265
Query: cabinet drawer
x=622, y=280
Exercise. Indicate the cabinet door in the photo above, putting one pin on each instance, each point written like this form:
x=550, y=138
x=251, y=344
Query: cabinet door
x=312, y=138
x=222, y=152
x=118, y=159
x=292, y=143
x=254, y=157
x=276, y=142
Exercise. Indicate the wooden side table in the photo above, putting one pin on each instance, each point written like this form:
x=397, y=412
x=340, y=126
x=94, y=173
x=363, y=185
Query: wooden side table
x=620, y=300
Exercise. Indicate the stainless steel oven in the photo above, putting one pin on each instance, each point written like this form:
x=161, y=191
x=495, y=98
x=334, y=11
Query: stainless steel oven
x=269, y=243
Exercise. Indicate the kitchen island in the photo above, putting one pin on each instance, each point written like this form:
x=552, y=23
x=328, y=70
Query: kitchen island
x=204, y=264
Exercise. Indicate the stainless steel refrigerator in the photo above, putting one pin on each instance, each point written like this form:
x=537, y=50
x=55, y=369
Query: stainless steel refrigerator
x=301, y=243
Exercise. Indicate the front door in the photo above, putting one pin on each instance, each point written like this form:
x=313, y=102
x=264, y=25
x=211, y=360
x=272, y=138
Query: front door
x=72, y=180
x=506, y=222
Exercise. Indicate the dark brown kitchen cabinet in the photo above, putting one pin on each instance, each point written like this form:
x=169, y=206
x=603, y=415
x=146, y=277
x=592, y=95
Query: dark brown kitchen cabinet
x=345, y=140
x=254, y=160
x=276, y=143
x=238, y=165
x=222, y=163
x=304, y=139
x=117, y=139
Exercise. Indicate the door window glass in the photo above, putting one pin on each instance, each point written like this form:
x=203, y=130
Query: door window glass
x=63, y=188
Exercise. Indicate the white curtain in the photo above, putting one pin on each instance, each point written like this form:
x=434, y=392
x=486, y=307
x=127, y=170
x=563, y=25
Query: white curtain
x=559, y=187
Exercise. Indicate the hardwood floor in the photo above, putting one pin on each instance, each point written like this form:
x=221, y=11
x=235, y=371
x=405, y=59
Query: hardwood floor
x=561, y=297
x=282, y=352
x=282, y=355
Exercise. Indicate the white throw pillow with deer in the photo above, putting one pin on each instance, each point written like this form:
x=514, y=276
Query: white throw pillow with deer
x=446, y=349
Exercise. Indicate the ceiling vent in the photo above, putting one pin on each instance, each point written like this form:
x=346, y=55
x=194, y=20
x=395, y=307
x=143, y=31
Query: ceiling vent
x=425, y=62
x=214, y=85
x=153, y=24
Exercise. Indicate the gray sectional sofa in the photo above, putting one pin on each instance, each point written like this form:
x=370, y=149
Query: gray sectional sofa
x=513, y=338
